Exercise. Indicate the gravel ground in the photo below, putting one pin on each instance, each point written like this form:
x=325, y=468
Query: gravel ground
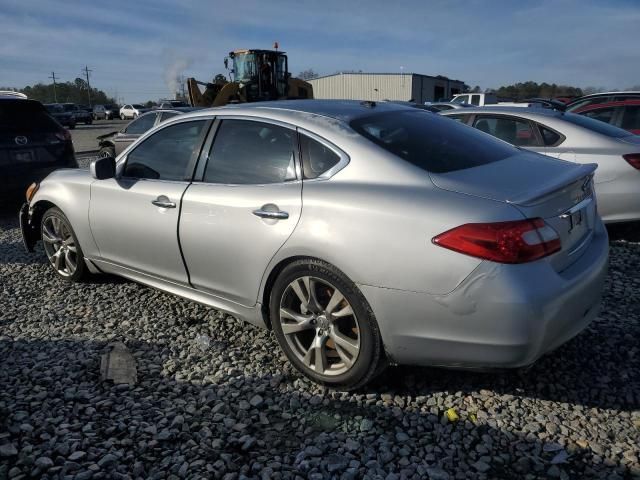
x=84, y=136
x=237, y=409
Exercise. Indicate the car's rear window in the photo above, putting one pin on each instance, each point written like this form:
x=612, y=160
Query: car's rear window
x=596, y=125
x=431, y=142
x=25, y=116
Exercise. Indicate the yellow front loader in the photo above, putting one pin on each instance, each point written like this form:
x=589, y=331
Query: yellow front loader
x=257, y=76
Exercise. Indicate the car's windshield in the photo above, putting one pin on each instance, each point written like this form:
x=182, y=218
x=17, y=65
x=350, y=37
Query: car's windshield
x=596, y=126
x=54, y=108
x=431, y=142
x=460, y=99
x=244, y=67
x=69, y=107
x=137, y=105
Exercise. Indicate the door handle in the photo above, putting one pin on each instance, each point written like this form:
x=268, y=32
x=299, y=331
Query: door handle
x=163, y=202
x=278, y=215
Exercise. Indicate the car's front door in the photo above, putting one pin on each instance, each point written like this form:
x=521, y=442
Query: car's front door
x=246, y=205
x=134, y=217
x=131, y=132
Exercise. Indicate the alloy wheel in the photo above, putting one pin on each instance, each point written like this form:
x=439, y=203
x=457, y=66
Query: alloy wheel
x=59, y=245
x=319, y=326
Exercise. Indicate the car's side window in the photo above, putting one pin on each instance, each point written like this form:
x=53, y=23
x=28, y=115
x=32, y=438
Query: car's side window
x=166, y=115
x=475, y=99
x=602, y=114
x=141, y=124
x=316, y=157
x=549, y=137
x=631, y=118
x=248, y=152
x=166, y=154
x=511, y=130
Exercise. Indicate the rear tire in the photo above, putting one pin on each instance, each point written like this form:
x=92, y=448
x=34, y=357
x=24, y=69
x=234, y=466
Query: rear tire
x=61, y=246
x=325, y=326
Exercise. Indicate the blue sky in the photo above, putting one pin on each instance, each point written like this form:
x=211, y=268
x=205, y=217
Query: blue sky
x=135, y=47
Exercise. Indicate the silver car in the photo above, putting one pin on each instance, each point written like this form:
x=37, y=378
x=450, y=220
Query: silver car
x=575, y=138
x=361, y=233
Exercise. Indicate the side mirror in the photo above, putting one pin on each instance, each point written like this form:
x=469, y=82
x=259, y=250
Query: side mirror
x=103, y=168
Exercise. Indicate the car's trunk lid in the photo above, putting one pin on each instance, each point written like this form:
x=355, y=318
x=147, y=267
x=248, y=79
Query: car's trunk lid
x=559, y=192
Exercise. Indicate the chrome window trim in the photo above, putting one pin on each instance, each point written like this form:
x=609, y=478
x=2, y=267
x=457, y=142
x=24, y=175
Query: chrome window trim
x=343, y=162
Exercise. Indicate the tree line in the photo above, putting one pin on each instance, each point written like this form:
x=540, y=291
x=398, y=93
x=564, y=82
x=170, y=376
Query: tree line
x=65, y=92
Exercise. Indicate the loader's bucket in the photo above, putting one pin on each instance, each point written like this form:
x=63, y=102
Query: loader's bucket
x=195, y=95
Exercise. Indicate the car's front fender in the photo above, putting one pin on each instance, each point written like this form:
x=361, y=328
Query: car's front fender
x=69, y=190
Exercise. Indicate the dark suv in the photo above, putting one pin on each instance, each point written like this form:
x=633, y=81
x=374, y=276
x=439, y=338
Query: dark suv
x=63, y=116
x=32, y=145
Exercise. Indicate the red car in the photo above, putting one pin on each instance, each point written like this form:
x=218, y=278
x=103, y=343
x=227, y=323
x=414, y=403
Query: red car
x=624, y=114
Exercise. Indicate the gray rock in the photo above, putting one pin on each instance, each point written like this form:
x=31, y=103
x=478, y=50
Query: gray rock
x=256, y=401
x=44, y=463
x=481, y=466
x=107, y=461
x=8, y=450
x=77, y=455
x=366, y=425
x=435, y=473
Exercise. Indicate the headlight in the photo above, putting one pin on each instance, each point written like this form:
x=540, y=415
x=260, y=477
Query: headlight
x=31, y=191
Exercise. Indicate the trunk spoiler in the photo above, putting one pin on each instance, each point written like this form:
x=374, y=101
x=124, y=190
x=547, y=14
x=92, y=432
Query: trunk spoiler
x=554, y=184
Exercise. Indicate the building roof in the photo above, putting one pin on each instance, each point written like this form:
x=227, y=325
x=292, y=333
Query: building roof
x=437, y=77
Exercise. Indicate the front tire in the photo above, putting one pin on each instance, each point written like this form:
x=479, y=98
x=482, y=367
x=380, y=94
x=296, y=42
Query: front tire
x=324, y=325
x=122, y=117
x=107, y=152
x=61, y=246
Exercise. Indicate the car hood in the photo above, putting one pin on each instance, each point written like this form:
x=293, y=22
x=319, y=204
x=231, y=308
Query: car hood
x=517, y=179
x=107, y=135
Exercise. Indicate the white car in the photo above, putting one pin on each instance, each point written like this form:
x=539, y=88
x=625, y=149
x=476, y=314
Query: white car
x=132, y=110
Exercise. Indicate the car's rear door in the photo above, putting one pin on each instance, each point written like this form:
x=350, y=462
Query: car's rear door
x=134, y=217
x=243, y=209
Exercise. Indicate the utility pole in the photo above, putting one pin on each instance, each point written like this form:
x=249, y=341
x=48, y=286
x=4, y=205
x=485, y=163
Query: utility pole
x=55, y=95
x=86, y=72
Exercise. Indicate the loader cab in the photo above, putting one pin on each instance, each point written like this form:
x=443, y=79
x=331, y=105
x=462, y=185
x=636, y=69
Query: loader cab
x=261, y=74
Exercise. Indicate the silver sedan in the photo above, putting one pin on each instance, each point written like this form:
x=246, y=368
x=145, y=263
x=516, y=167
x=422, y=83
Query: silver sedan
x=363, y=234
x=575, y=138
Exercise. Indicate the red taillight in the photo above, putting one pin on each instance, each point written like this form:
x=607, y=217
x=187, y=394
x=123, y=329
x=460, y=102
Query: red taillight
x=64, y=135
x=633, y=159
x=504, y=242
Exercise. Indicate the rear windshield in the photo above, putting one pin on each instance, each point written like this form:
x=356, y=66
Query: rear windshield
x=136, y=105
x=25, y=116
x=431, y=142
x=596, y=126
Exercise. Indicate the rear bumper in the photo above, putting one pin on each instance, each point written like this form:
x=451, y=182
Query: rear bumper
x=500, y=316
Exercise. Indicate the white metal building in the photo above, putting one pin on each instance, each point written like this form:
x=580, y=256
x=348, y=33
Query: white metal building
x=386, y=86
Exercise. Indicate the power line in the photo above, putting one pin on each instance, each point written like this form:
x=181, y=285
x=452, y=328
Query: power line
x=55, y=95
x=86, y=72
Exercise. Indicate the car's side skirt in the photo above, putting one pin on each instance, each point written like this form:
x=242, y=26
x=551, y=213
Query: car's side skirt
x=248, y=314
